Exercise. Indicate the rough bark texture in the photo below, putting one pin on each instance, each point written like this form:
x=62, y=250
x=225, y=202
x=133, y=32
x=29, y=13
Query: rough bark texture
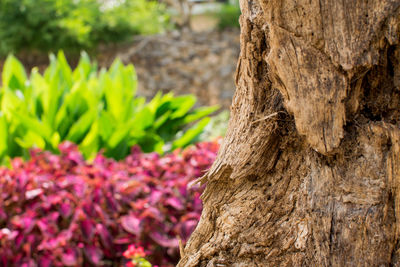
x=309, y=172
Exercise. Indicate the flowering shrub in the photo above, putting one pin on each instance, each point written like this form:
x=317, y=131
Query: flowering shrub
x=59, y=210
x=136, y=257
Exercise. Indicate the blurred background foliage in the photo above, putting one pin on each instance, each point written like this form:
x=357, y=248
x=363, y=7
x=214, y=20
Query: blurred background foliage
x=228, y=15
x=73, y=25
x=96, y=109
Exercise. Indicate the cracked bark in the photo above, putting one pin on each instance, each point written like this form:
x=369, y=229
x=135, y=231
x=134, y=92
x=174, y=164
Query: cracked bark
x=309, y=172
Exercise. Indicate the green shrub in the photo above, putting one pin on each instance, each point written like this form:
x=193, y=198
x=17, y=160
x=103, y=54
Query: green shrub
x=228, y=15
x=216, y=127
x=73, y=25
x=96, y=110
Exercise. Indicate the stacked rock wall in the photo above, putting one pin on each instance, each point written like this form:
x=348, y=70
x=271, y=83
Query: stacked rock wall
x=201, y=63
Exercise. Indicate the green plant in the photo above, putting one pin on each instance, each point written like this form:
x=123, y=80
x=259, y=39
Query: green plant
x=228, y=15
x=73, y=25
x=216, y=127
x=96, y=110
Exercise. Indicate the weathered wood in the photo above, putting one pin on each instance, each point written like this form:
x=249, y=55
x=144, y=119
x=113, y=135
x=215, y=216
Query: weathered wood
x=309, y=172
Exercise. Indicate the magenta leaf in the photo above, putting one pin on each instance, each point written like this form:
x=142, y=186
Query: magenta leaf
x=65, y=209
x=105, y=236
x=87, y=228
x=175, y=203
x=93, y=254
x=45, y=261
x=131, y=224
x=70, y=257
x=33, y=193
x=187, y=228
x=123, y=240
x=164, y=241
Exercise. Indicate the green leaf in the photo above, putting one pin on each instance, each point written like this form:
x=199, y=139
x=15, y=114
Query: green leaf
x=143, y=119
x=155, y=102
x=114, y=97
x=35, y=94
x=6, y=161
x=3, y=135
x=115, y=68
x=14, y=131
x=106, y=125
x=48, y=98
x=182, y=105
x=164, y=104
x=119, y=90
x=84, y=68
x=31, y=139
x=190, y=134
x=80, y=128
x=90, y=144
x=34, y=125
x=55, y=140
x=144, y=263
x=63, y=122
x=199, y=113
x=10, y=102
x=51, y=70
x=119, y=150
x=59, y=74
x=150, y=142
x=162, y=119
x=120, y=133
x=14, y=75
x=64, y=68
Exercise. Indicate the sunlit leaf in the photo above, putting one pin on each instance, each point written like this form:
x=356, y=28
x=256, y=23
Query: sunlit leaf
x=13, y=75
x=190, y=134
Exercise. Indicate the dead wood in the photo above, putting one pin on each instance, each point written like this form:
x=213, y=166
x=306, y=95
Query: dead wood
x=318, y=182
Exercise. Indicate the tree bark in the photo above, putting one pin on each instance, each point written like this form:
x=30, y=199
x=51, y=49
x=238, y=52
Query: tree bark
x=309, y=171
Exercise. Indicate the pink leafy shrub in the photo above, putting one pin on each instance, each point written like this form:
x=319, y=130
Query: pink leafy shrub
x=58, y=210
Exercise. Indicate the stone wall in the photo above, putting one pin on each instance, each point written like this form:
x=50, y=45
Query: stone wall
x=201, y=63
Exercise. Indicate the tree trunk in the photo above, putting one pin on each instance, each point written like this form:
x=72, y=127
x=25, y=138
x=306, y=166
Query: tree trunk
x=309, y=172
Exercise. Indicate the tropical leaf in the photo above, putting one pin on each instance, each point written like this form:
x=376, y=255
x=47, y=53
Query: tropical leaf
x=14, y=76
x=199, y=113
x=190, y=134
x=98, y=110
x=3, y=135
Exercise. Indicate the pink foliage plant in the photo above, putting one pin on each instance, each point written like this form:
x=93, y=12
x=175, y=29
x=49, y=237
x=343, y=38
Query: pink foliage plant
x=59, y=210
